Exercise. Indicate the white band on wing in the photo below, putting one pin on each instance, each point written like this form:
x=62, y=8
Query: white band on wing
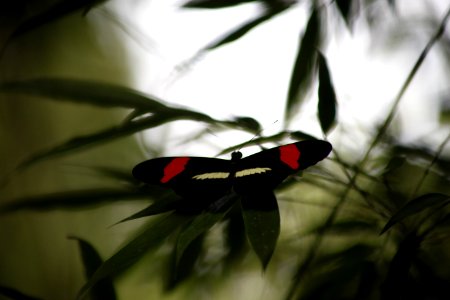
x=213, y=175
x=252, y=171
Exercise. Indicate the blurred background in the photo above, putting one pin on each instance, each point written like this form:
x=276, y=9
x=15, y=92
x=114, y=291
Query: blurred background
x=73, y=74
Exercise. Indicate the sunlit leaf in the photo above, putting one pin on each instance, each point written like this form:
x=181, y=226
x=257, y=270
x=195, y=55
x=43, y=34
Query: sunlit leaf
x=211, y=4
x=327, y=97
x=262, y=223
x=91, y=262
x=151, y=237
x=14, y=294
x=305, y=65
x=417, y=205
x=71, y=199
x=84, y=91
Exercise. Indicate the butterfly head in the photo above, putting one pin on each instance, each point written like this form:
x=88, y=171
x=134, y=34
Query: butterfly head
x=236, y=155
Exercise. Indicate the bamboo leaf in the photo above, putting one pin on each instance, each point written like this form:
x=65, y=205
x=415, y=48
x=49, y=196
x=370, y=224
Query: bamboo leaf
x=304, y=66
x=214, y=4
x=327, y=97
x=91, y=262
x=14, y=294
x=151, y=237
x=84, y=91
x=417, y=205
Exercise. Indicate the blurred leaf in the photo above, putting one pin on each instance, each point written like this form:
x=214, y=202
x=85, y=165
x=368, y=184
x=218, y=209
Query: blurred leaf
x=84, y=91
x=245, y=28
x=300, y=135
x=70, y=199
x=183, y=267
x=348, y=227
x=235, y=236
x=212, y=4
x=162, y=205
x=257, y=141
x=305, y=64
x=59, y=10
x=327, y=97
x=397, y=284
x=346, y=10
x=91, y=262
x=248, y=123
x=262, y=223
x=151, y=237
x=115, y=132
x=201, y=223
x=417, y=205
x=14, y=294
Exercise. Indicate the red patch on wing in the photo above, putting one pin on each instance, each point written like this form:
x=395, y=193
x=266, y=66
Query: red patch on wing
x=175, y=167
x=290, y=155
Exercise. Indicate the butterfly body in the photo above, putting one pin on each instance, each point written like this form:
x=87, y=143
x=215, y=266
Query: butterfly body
x=207, y=179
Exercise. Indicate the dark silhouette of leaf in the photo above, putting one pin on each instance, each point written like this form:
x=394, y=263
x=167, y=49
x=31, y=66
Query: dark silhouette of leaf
x=151, y=237
x=84, y=91
x=327, y=96
x=243, y=29
x=249, y=123
x=305, y=64
x=397, y=284
x=417, y=205
x=115, y=132
x=59, y=10
x=202, y=223
x=300, y=135
x=262, y=223
x=91, y=262
x=14, y=294
x=213, y=4
x=346, y=9
x=71, y=200
x=257, y=141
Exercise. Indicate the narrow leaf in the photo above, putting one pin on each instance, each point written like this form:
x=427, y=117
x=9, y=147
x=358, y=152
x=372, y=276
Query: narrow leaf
x=151, y=237
x=417, y=205
x=240, y=31
x=304, y=66
x=327, y=97
x=199, y=225
x=91, y=262
x=116, y=132
x=158, y=207
x=59, y=10
x=84, y=91
x=214, y=4
x=70, y=200
x=262, y=223
x=14, y=294
x=344, y=7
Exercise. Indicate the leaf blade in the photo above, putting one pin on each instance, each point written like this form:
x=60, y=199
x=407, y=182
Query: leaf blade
x=327, y=97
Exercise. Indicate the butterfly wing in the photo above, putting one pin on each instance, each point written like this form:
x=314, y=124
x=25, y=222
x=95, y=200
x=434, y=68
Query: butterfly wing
x=197, y=178
x=267, y=169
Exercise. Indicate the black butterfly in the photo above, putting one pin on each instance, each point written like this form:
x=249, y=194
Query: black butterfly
x=203, y=180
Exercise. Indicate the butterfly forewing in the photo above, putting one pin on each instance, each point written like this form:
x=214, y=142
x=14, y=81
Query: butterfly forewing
x=190, y=177
x=268, y=168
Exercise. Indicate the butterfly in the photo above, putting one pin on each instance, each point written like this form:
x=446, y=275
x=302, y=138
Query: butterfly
x=203, y=180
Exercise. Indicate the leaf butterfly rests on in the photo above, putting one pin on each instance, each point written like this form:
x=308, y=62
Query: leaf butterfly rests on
x=200, y=181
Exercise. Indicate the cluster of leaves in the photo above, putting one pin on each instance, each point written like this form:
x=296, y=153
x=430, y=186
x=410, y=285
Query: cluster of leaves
x=398, y=264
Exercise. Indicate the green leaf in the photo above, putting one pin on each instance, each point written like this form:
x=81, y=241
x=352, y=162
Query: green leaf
x=160, y=206
x=327, y=96
x=248, y=123
x=116, y=132
x=199, y=225
x=262, y=223
x=257, y=141
x=14, y=294
x=214, y=4
x=70, y=199
x=91, y=262
x=151, y=237
x=84, y=91
x=305, y=65
x=417, y=205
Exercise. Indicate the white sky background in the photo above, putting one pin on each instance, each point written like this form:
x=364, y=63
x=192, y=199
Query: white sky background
x=250, y=77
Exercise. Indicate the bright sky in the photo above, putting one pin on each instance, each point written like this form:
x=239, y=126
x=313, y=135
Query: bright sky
x=250, y=77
